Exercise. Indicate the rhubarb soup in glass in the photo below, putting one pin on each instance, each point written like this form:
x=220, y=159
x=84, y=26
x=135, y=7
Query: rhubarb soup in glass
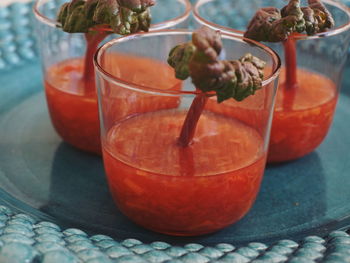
x=157, y=182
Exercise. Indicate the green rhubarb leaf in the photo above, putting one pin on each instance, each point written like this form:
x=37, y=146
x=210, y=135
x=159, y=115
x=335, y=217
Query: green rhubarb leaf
x=266, y=26
x=270, y=24
x=292, y=17
x=179, y=58
x=122, y=16
x=144, y=21
x=199, y=59
x=72, y=17
x=317, y=17
x=208, y=44
x=136, y=5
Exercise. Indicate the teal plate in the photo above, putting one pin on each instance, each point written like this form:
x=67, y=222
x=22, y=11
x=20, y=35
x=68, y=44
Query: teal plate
x=55, y=205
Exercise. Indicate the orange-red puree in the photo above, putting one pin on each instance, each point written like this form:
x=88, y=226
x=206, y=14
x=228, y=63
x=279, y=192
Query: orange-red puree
x=302, y=116
x=73, y=108
x=183, y=190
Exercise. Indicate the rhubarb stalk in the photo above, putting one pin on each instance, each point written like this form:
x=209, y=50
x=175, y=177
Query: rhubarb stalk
x=191, y=120
x=199, y=59
x=98, y=18
x=290, y=85
x=186, y=161
x=270, y=24
x=93, y=39
x=290, y=63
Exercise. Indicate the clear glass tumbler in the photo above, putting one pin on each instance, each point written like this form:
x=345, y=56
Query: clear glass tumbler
x=303, y=113
x=158, y=184
x=68, y=70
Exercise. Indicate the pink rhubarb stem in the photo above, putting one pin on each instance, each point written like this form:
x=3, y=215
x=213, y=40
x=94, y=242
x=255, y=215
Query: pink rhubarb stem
x=191, y=120
x=290, y=55
x=92, y=42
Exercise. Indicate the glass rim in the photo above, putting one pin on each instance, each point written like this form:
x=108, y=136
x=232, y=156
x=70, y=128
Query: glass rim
x=167, y=23
x=331, y=32
x=134, y=86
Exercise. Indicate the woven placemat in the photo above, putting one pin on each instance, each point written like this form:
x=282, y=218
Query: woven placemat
x=26, y=239
x=23, y=239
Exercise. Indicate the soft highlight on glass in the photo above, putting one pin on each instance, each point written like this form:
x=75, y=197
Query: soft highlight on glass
x=69, y=87
x=157, y=183
x=303, y=116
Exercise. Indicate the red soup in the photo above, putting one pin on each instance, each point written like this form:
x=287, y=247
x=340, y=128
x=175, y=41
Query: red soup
x=183, y=190
x=302, y=116
x=74, y=110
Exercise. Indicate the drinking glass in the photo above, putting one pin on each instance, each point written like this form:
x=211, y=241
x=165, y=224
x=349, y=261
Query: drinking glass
x=156, y=182
x=68, y=70
x=303, y=115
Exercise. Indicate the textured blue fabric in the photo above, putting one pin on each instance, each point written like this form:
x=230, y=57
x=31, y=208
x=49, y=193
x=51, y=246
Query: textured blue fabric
x=35, y=244
x=40, y=203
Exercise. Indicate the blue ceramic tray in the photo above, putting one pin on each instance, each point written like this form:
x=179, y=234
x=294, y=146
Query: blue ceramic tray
x=55, y=205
